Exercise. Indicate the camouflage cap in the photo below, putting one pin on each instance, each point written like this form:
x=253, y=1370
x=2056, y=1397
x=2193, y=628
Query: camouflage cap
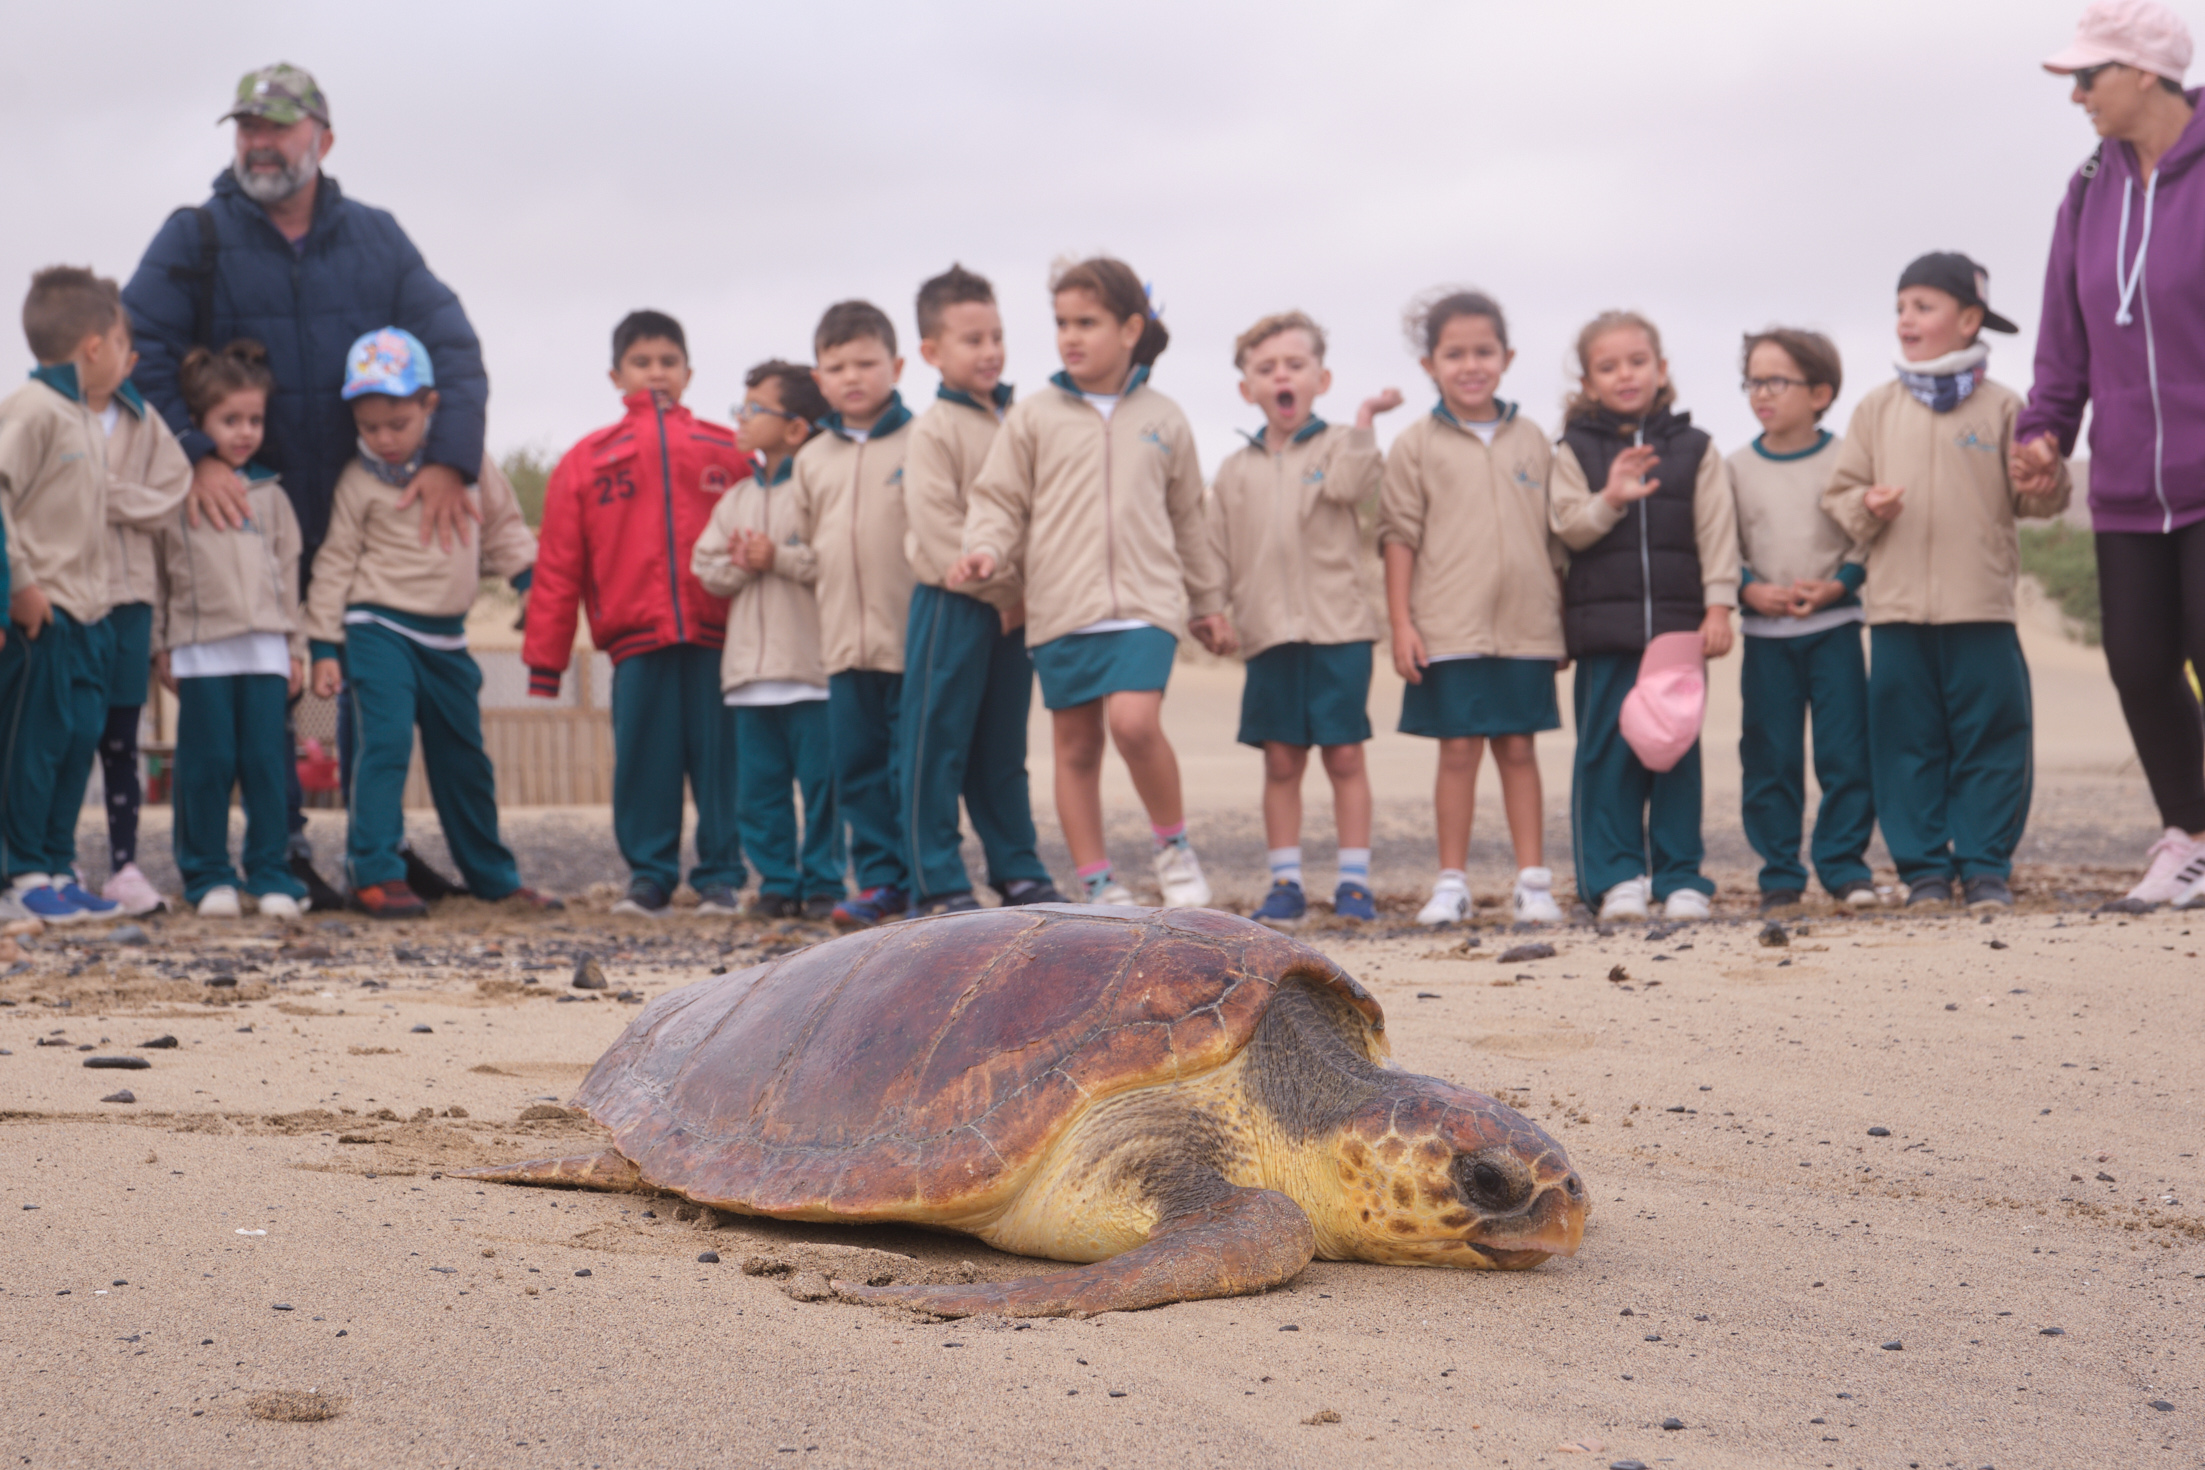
x=282, y=93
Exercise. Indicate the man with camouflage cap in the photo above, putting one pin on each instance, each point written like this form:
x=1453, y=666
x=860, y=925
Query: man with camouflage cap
x=279, y=254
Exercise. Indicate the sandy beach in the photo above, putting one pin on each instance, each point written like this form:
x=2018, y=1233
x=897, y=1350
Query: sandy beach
x=264, y=1259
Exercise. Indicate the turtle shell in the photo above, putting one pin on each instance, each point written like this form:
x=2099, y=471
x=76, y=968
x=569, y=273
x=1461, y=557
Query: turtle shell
x=919, y=1071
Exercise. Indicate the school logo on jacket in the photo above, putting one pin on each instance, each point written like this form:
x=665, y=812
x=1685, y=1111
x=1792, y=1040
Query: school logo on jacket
x=1151, y=436
x=715, y=480
x=1523, y=476
x=896, y=479
x=1316, y=476
x=1973, y=440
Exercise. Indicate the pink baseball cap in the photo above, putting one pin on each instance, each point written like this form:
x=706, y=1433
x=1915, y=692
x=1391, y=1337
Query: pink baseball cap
x=1661, y=715
x=2139, y=33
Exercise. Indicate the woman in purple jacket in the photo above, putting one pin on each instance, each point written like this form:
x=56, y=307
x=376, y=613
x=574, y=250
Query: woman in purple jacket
x=2124, y=334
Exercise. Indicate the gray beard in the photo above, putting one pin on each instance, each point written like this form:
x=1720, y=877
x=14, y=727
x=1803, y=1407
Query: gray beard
x=274, y=188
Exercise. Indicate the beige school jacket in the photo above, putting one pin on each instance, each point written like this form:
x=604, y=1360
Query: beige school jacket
x=373, y=554
x=849, y=507
x=1283, y=527
x=58, y=502
x=1582, y=516
x=949, y=443
x=142, y=453
x=217, y=583
x=1784, y=534
x=1105, y=519
x=1488, y=568
x=1951, y=555
x=773, y=620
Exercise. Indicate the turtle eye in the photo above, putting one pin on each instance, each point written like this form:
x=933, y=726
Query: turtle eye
x=1490, y=1184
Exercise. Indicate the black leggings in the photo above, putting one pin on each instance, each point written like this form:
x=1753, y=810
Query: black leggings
x=119, y=771
x=2151, y=589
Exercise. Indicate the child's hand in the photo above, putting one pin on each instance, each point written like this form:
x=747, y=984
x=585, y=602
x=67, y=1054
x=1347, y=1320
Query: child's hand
x=973, y=566
x=2035, y=465
x=1883, y=501
x=1378, y=403
x=1715, y=633
x=30, y=609
x=1014, y=616
x=328, y=674
x=1767, y=599
x=1811, y=596
x=1409, y=659
x=1214, y=633
x=160, y=671
x=298, y=677
x=757, y=552
x=1627, y=476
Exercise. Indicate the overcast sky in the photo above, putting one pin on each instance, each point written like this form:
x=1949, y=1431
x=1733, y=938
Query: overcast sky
x=1717, y=165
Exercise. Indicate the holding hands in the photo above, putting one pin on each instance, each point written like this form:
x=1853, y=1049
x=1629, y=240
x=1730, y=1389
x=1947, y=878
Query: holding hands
x=2035, y=465
x=1799, y=600
x=1884, y=501
x=1214, y=633
x=973, y=566
x=754, y=552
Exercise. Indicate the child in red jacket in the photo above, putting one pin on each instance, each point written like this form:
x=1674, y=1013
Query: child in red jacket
x=621, y=515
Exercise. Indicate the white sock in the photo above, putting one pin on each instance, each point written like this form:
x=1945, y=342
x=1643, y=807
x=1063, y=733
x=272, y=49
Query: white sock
x=1355, y=865
x=1453, y=878
x=1286, y=864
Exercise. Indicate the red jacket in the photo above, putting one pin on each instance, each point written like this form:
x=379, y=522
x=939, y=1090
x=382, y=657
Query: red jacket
x=621, y=513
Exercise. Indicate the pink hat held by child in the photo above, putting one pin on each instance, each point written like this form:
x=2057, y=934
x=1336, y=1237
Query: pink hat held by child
x=2139, y=33
x=1662, y=713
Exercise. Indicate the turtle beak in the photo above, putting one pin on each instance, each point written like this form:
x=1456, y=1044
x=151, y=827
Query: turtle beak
x=1553, y=1225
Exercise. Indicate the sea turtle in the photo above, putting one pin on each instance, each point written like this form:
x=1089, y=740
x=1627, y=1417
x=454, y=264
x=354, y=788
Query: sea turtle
x=1188, y=1100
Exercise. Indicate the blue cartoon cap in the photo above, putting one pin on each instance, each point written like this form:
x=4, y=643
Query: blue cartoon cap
x=388, y=360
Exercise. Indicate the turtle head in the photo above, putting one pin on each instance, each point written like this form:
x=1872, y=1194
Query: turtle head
x=1438, y=1175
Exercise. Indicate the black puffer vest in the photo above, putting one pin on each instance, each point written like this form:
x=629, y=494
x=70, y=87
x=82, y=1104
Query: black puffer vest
x=1642, y=579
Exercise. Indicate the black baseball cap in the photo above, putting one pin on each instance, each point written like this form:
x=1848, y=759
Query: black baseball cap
x=1958, y=277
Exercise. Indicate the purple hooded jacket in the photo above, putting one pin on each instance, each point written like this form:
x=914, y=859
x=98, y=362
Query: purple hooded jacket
x=2145, y=377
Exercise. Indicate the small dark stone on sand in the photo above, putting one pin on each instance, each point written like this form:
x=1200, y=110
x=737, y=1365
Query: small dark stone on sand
x=1427, y=995
x=423, y=1031
x=1618, y=975
x=2162, y=1406
x=583, y=1272
x=1626, y=1465
x=2051, y=1332
x=1998, y=944
x=1117, y=1393
x=129, y=934
x=118, y=1283
x=408, y=956
x=1773, y=935
x=282, y=1307
x=159, y=1043
x=709, y=1258
x=121, y=1064
x=588, y=975
x=343, y=1332
x=1525, y=953
x=1677, y=1109
x=1290, y=1327
x=1672, y=1423
x=124, y=1096
x=1894, y=1346
x=2103, y=1176
x=1879, y=1131
x=1626, y=1312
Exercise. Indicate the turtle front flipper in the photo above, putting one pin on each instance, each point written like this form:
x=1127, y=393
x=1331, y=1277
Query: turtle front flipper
x=607, y=1169
x=1242, y=1242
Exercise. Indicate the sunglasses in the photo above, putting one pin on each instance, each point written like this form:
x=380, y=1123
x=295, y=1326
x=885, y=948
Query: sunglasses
x=2086, y=77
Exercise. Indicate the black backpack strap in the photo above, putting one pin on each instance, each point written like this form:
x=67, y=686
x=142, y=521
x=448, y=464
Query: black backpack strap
x=200, y=277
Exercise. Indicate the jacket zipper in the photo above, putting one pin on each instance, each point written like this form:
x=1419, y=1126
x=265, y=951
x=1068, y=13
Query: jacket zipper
x=666, y=489
x=1110, y=520
x=857, y=562
x=765, y=525
x=1302, y=516
x=1645, y=550
x=2158, y=418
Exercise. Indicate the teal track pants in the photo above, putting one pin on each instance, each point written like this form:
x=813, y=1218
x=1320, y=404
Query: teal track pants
x=862, y=712
x=968, y=689
x=394, y=684
x=786, y=751
x=669, y=723
x=230, y=734
x=1783, y=679
x=53, y=708
x=1951, y=735
x=1624, y=819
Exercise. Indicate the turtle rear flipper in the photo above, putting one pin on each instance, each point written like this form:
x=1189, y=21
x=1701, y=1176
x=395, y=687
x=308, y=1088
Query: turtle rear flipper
x=606, y=1168
x=1242, y=1242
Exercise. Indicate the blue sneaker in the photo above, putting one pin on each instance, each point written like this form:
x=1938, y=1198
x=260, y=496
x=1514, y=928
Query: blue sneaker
x=93, y=905
x=873, y=906
x=1283, y=907
x=43, y=902
x=1353, y=901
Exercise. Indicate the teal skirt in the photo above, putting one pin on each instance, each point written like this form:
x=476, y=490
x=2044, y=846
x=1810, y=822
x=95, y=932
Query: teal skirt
x=127, y=675
x=1079, y=668
x=1307, y=694
x=1482, y=697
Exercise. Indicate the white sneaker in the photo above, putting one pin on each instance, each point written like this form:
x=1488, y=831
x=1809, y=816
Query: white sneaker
x=1627, y=900
x=1450, y=904
x=1534, y=897
x=133, y=890
x=2191, y=877
x=2176, y=862
x=1686, y=903
x=221, y=903
x=1179, y=874
x=1117, y=894
x=283, y=906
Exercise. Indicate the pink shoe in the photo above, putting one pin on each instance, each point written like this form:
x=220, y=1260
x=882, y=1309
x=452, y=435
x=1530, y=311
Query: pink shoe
x=131, y=889
x=2165, y=879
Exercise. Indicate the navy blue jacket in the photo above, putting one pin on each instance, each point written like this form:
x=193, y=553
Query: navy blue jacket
x=355, y=271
